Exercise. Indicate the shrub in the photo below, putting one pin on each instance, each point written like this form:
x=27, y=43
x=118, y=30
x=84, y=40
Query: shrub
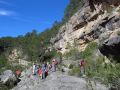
x=3, y=87
x=75, y=71
x=119, y=10
x=71, y=66
x=72, y=8
x=3, y=61
x=87, y=54
x=73, y=52
x=89, y=50
x=107, y=73
x=64, y=65
x=118, y=33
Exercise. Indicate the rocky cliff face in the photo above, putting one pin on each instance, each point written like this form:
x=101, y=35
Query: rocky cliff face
x=95, y=20
x=16, y=56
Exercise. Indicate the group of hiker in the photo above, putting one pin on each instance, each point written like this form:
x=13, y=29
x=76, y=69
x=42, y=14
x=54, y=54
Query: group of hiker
x=43, y=68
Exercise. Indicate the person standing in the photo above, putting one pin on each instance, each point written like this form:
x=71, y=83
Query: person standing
x=49, y=67
x=34, y=68
x=82, y=67
x=43, y=70
x=18, y=73
x=53, y=65
x=40, y=72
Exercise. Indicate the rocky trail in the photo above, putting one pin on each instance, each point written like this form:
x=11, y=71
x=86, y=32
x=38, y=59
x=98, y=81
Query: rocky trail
x=54, y=81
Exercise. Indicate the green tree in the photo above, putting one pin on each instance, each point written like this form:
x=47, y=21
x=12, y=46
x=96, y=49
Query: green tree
x=72, y=8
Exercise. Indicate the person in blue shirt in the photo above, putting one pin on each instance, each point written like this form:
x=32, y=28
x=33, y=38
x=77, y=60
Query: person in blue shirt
x=43, y=70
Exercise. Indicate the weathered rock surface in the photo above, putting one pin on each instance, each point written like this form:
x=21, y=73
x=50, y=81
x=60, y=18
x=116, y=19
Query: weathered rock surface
x=111, y=47
x=95, y=19
x=16, y=56
x=55, y=81
x=7, y=76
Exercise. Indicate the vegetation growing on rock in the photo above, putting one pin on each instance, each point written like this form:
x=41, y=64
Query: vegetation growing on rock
x=38, y=46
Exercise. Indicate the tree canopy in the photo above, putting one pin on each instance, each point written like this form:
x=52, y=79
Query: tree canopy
x=36, y=44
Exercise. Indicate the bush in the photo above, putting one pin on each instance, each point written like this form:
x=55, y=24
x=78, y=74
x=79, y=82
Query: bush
x=70, y=54
x=87, y=54
x=118, y=33
x=3, y=87
x=3, y=61
x=107, y=73
x=72, y=8
x=73, y=52
x=71, y=66
x=75, y=71
x=119, y=10
x=64, y=65
x=89, y=50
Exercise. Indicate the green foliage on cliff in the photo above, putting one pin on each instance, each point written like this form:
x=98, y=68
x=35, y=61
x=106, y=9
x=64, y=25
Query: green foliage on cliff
x=73, y=52
x=119, y=10
x=35, y=44
x=89, y=50
x=32, y=43
x=99, y=67
x=72, y=8
x=75, y=71
x=118, y=33
x=3, y=61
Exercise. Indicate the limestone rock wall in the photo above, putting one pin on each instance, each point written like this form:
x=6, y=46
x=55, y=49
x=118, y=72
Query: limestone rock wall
x=16, y=56
x=93, y=19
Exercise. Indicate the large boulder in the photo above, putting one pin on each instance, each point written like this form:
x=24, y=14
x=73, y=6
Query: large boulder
x=111, y=48
x=8, y=77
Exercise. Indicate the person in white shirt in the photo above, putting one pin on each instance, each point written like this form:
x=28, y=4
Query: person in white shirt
x=33, y=68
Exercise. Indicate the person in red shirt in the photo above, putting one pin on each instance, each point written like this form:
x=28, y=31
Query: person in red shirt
x=18, y=73
x=40, y=72
x=82, y=67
